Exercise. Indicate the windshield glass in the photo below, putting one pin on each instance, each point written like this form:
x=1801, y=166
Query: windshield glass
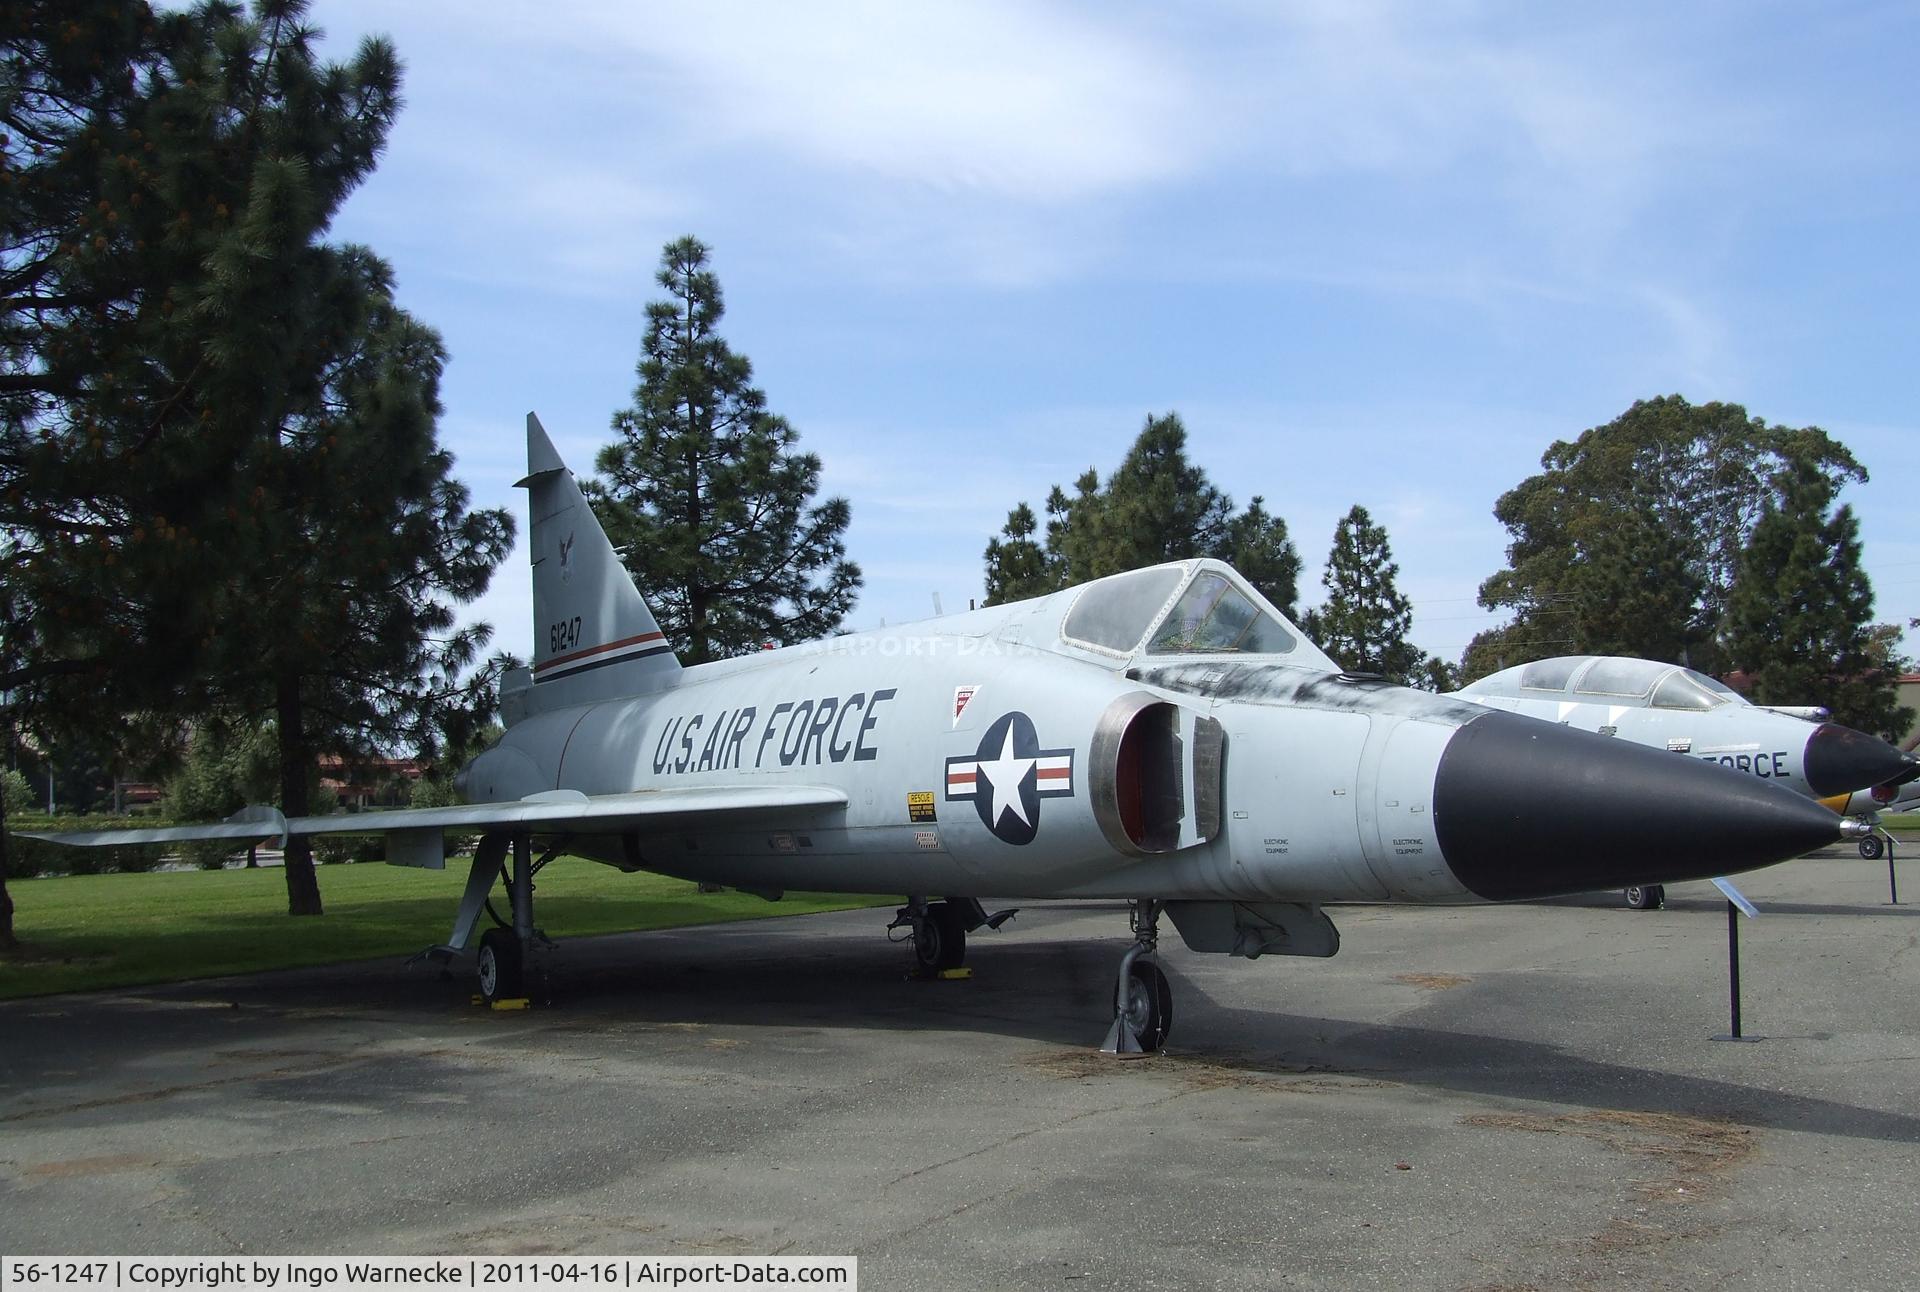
x=1215, y=618
x=1114, y=613
x=1619, y=676
x=1683, y=691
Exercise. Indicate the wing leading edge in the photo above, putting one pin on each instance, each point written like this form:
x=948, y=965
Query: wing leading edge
x=552, y=812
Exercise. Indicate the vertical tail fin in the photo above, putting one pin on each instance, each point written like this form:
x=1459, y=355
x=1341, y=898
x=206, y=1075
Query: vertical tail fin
x=594, y=637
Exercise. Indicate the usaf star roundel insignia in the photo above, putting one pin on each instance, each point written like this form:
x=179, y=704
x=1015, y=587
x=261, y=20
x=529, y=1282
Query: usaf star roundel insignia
x=1008, y=776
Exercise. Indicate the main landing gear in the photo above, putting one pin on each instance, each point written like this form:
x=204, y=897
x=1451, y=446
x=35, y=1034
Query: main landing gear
x=939, y=931
x=1143, y=1002
x=509, y=957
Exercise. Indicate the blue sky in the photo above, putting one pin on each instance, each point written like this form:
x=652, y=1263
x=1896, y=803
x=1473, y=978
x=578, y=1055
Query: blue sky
x=1376, y=253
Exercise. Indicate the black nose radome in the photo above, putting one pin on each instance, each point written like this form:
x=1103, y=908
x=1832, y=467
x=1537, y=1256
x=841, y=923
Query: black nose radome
x=1840, y=760
x=1525, y=808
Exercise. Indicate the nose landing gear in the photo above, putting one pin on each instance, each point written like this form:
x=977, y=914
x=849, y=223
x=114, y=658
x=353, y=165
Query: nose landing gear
x=1646, y=897
x=1143, y=1002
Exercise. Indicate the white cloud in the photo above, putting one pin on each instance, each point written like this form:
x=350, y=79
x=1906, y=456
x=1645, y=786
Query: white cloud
x=985, y=95
x=1696, y=350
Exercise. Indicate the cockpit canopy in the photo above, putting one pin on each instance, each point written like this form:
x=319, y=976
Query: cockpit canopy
x=1608, y=679
x=1188, y=609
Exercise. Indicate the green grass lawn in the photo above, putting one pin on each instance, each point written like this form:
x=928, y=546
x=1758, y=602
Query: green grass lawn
x=90, y=931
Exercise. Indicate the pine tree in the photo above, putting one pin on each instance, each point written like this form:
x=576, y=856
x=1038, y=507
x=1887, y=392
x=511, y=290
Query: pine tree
x=1364, y=622
x=1017, y=566
x=706, y=494
x=1256, y=544
x=361, y=543
x=1435, y=674
x=218, y=458
x=1079, y=537
x=1158, y=506
x=1800, y=619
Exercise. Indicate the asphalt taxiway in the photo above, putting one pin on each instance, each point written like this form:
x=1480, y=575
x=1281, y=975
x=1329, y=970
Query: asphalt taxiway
x=1474, y=1097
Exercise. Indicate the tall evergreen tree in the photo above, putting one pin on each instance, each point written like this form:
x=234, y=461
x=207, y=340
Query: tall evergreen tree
x=1628, y=539
x=1256, y=544
x=1017, y=565
x=362, y=543
x=705, y=493
x=1364, y=622
x=1435, y=674
x=217, y=452
x=1079, y=538
x=1800, y=620
x=1158, y=506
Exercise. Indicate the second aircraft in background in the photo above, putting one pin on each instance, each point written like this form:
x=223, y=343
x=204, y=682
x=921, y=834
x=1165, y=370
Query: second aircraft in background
x=1668, y=706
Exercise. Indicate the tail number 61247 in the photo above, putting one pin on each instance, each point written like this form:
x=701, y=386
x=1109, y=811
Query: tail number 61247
x=563, y=636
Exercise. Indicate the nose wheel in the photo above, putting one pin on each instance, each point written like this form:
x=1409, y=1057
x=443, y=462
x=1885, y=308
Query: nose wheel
x=1646, y=897
x=1143, y=1001
x=1148, y=1013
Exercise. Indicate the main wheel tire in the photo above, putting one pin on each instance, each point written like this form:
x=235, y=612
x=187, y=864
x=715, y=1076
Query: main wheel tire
x=1872, y=847
x=1149, y=1011
x=940, y=939
x=1646, y=897
x=502, y=973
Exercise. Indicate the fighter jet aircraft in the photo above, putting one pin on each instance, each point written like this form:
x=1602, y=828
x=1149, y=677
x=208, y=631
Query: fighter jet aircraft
x=1685, y=712
x=1163, y=736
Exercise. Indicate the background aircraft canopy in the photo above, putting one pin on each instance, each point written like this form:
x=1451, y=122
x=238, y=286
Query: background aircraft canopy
x=1214, y=614
x=1609, y=679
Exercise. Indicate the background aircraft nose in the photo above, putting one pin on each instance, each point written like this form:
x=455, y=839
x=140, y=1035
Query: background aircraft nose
x=1525, y=808
x=1840, y=760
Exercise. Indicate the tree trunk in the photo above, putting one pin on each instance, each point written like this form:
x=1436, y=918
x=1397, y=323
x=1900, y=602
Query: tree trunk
x=696, y=627
x=303, y=887
x=7, y=942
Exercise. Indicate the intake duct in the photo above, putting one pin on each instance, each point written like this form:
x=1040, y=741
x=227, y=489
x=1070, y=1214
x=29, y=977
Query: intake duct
x=1144, y=782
